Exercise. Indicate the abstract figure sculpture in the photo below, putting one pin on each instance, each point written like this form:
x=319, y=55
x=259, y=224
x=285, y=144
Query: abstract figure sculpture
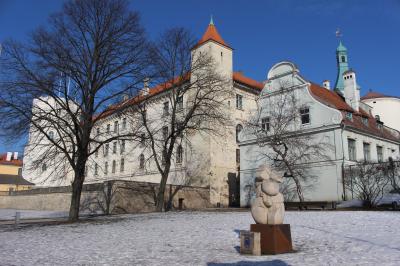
x=268, y=207
x=268, y=210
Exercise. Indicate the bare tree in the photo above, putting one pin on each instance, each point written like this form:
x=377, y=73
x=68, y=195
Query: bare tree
x=393, y=171
x=193, y=96
x=58, y=85
x=367, y=181
x=276, y=127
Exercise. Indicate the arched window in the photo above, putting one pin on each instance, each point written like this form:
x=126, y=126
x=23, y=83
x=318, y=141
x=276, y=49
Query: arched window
x=141, y=161
x=122, y=165
x=44, y=167
x=179, y=154
x=343, y=59
x=239, y=129
x=116, y=126
x=106, y=168
x=114, y=166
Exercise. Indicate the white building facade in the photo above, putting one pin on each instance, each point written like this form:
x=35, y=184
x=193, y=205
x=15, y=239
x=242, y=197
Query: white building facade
x=213, y=159
x=341, y=121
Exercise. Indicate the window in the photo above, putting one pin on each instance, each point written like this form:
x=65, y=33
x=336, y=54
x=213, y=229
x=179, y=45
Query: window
x=166, y=108
x=124, y=123
x=115, y=147
x=122, y=146
x=349, y=116
x=179, y=154
x=179, y=129
x=305, y=115
x=379, y=153
x=106, y=148
x=365, y=121
x=265, y=123
x=379, y=125
x=179, y=103
x=378, y=118
x=141, y=161
x=122, y=165
x=165, y=133
x=115, y=126
x=352, y=149
x=142, y=139
x=238, y=156
x=239, y=101
x=51, y=135
x=106, y=168
x=162, y=159
x=114, y=166
x=343, y=59
x=239, y=129
x=366, y=150
x=44, y=167
x=96, y=169
x=108, y=128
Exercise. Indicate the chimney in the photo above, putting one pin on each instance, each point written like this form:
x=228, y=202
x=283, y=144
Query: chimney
x=327, y=84
x=351, y=90
x=15, y=155
x=9, y=155
x=145, y=90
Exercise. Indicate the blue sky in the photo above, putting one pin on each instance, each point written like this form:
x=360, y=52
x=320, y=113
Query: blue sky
x=263, y=33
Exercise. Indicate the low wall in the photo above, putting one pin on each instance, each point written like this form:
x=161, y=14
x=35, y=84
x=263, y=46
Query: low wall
x=113, y=197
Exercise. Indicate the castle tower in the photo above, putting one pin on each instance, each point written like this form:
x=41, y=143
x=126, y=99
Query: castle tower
x=213, y=45
x=342, y=65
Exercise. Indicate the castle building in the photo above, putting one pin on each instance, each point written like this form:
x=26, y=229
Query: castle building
x=336, y=117
x=226, y=164
x=215, y=159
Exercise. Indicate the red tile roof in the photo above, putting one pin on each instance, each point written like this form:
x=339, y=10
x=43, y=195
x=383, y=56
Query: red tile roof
x=374, y=95
x=334, y=100
x=239, y=77
x=211, y=34
x=329, y=98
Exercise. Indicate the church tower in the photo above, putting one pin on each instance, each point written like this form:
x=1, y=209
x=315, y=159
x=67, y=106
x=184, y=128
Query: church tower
x=213, y=45
x=342, y=65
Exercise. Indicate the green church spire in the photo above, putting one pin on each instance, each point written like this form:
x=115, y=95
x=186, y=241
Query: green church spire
x=342, y=65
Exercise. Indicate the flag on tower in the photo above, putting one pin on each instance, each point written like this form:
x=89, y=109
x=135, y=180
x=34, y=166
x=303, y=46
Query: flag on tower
x=338, y=33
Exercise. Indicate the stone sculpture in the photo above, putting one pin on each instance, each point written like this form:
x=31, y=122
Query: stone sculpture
x=268, y=207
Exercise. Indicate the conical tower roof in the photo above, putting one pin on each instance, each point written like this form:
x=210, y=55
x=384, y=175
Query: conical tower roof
x=341, y=47
x=212, y=34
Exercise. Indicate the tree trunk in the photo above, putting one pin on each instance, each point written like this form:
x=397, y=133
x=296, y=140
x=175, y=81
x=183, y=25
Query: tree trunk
x=161, y=193
x=75, y=199
x=77, y=186
x=299, y=189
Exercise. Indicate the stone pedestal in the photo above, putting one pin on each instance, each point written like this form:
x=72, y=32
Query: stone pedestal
x=274, y=239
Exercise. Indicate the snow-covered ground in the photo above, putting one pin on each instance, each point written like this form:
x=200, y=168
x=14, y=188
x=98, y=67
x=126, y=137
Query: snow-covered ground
x=204, y=238
x=9, y=214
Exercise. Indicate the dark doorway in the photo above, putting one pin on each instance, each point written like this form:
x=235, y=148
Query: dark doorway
x=234, y=189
